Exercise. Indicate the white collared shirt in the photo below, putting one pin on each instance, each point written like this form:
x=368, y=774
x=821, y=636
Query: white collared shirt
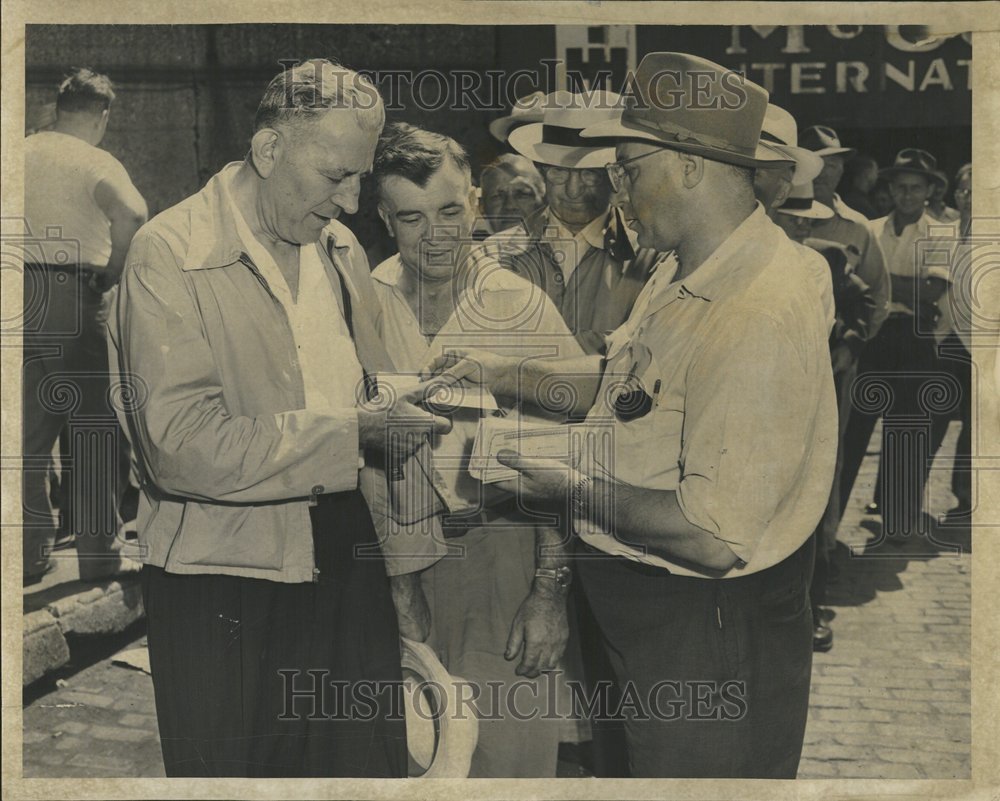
x=332, y=377
x=922, y=250
x=743, y=420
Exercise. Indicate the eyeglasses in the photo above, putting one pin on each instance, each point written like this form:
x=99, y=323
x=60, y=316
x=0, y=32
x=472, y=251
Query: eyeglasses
x=617, y=173
x=560, y=175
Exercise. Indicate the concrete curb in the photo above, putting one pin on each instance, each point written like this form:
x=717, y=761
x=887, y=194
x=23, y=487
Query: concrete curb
x=90, y=610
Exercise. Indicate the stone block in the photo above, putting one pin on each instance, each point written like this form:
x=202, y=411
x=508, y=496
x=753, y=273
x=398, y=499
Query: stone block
x=101, y=610
x=45, y=648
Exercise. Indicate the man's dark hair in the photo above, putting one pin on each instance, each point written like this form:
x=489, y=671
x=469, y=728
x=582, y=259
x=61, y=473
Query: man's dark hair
x=85, y=90
x=308, y=90
x=415, y=154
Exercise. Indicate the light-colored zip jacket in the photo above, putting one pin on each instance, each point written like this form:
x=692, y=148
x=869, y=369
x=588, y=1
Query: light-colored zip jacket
x=214, y=404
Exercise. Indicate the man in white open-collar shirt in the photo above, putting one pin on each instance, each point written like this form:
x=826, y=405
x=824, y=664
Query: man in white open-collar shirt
x=918, y=254
x=496, y=610
x=719, y=422
x=243, y=325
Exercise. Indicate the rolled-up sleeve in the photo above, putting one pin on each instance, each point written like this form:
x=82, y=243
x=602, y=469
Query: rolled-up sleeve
x=190, y=443
x=749, y=403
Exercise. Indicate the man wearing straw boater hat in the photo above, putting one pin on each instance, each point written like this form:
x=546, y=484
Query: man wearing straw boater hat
x=719, y=397
x=575, y=247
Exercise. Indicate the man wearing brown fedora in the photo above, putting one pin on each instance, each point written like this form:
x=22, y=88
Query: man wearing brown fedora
x=904, y=346
x=695, y=520
x=575, y=247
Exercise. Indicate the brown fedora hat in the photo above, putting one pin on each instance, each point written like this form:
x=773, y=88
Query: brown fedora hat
x=691, y=104
x=915, y=161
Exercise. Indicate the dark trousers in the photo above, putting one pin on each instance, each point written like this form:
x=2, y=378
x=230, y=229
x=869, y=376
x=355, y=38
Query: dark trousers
x=230, y=658
x=893, y=374
x=826, y=529
x=718, y=670
x=67, y=392
x=609, y=751
x=956, y=361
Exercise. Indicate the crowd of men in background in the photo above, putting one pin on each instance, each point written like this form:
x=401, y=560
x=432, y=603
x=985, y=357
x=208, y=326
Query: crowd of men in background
x=226, y=441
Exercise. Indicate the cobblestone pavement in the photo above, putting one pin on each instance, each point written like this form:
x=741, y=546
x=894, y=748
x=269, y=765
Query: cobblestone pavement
x=891, y=700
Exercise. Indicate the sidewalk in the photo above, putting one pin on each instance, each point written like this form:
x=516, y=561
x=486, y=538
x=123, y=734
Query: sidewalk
x=891, y=700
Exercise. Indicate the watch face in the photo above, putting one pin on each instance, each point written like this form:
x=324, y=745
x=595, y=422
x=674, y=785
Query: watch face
x=564, y=576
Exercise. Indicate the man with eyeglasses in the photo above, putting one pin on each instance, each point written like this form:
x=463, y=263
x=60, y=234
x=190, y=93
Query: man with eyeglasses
x=903, y=352
x=575, y=248
x=716, y=423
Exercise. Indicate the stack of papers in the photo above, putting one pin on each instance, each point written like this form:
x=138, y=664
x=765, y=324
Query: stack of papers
x=561, y=442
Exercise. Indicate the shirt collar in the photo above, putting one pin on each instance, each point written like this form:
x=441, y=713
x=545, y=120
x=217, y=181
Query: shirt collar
x=389, y=272
x=488, y=277
x=711, y=277
x=592, y=233
x=919, y=227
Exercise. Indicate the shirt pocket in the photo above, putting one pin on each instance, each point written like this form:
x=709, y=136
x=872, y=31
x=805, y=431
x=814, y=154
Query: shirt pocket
x=647, y=430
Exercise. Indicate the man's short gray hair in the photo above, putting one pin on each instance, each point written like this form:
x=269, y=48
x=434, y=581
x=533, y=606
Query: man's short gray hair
x=310, y=89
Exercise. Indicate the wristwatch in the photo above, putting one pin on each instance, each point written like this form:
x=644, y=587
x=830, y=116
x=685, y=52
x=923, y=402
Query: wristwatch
x=562, y=576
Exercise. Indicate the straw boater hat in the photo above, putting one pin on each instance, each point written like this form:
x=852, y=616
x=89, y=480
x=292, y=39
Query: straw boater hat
x=526, y=110
x=780, y=132
x=556, y=140
x=801, y=202
x=823, y=141
x=694, y=116
x=916, y=162
x=440, y=742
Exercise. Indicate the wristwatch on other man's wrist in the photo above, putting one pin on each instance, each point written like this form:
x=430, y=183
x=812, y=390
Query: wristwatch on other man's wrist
x=562, y=576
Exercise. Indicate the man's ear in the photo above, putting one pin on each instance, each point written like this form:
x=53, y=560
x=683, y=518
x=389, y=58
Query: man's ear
x=264, y=148
x=784, y=190
x=383, y=212
x=693, y=168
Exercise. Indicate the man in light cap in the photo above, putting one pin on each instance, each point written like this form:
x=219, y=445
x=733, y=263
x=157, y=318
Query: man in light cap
x=575, y=247
x=717, y=400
